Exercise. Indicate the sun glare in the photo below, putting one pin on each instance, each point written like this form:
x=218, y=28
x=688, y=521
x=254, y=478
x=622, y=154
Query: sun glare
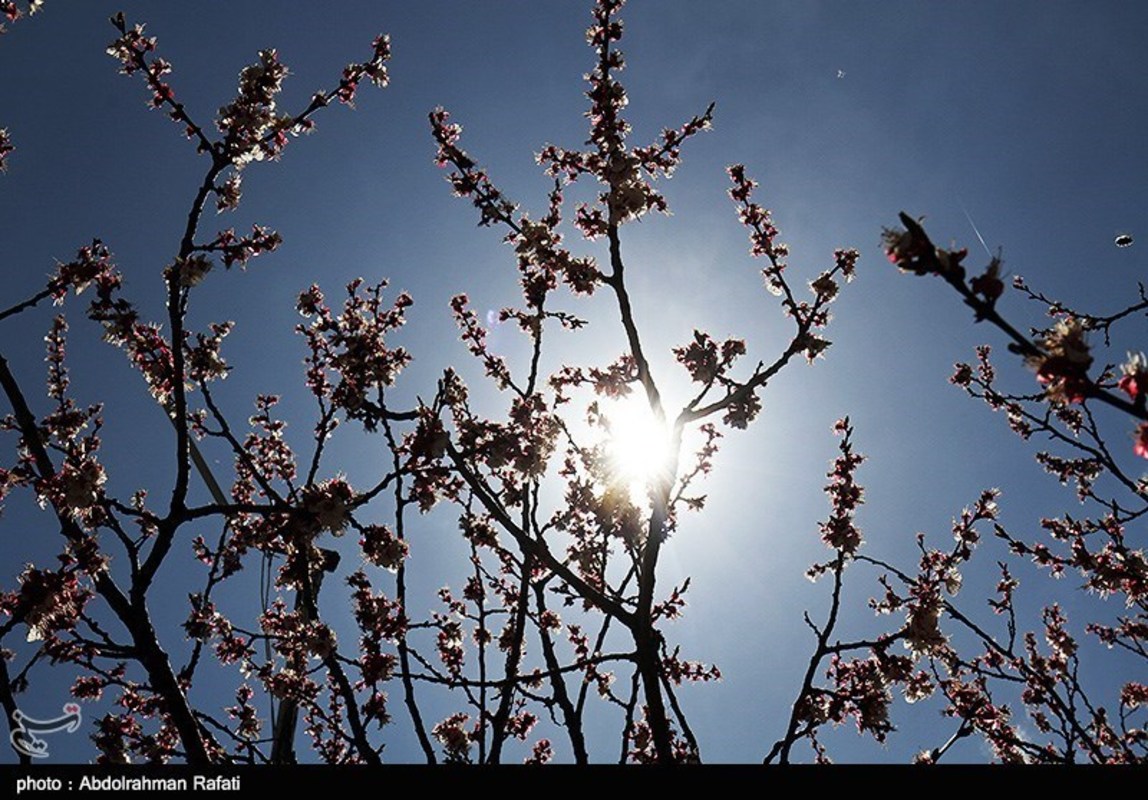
x=639, y=445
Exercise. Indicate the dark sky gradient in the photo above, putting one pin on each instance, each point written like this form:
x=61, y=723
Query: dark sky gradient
x=1030, y=115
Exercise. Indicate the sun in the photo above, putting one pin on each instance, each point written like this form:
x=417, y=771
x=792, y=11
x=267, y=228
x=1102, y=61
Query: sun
x=639, y=446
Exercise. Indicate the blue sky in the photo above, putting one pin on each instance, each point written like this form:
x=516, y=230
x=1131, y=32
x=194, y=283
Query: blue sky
x=1028, y=115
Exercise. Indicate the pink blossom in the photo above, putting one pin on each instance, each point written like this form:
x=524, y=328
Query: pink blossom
x=1134, y=379
x=1140, y=447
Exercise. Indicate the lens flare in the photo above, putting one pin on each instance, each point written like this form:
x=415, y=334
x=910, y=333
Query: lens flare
x=639, y=446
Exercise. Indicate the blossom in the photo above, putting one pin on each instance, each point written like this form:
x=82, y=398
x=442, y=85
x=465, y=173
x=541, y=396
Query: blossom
x=76, y=488
x=846, y=260
x=252, y=130
x=329, y=504
x=703, y=358
x=542, y=753
x=228, y=193
x=352, y=346
x=909, y=248
x=382, y=548
x=454, y=737
x=922, y=627
x=962, y=375
x=241, y=249
x=949, y=261
x=131, y=47
x=51, y=601
x=630, y=196
x=839, y=531
x=813, y=345
x=741, y=410
x=989, y=284
x=1063, y=366
x=1140, y=448
x=92, y=266
x=1066, y=339
x=824, y=287
x=1134, y=695
x=190, y=271
x=1135, y=378
x=204, y=361
x=249, y=724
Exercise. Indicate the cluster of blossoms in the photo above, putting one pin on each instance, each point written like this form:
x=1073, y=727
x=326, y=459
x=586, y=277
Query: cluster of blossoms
x=474, y=336
x=705, y=360
x=425, y=449
x=190, y=271
x=643, y=747
x=912, y=251
x=267, y=448
x=155, y=721
x=615, y=514
x=328, y=505
x=678, y=670
x=762, y=235
x=92, y=266
x=523, y=445
x=240, y=249
x=352, y=348
x=1063, y=366
x=76, y=489
x=762, y=230
x=374, y=70
x=456, y=740
x=11, y=11
x=613, y=381
x=630, y=195
x=1061, y=357
x=542, y=259
x=132, y=47
x=292, y=633
x=229, y=193
x=48, y=601
x=382, y=548
x=150, y=352
x=144, y=344
x=247, y=722
x=380, y=618
x=204, y=361
x=839, y=531
x=1107, y=569
x=1134, y=382
x=251, y=128
x=862, y=691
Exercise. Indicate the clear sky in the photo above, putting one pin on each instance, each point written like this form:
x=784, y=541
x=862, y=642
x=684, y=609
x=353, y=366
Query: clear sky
x=1030, y=116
